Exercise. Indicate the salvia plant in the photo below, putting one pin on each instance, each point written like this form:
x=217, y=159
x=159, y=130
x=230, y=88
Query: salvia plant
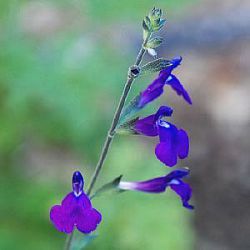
x=76, y=211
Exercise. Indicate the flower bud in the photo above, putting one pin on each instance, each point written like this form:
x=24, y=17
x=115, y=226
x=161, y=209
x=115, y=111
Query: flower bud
x=77, y=183
x=155, y=19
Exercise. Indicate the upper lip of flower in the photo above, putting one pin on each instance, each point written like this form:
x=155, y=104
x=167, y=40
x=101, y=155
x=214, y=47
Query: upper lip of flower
x=77, y=183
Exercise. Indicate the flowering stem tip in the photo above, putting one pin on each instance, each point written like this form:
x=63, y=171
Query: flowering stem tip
x=76, y=210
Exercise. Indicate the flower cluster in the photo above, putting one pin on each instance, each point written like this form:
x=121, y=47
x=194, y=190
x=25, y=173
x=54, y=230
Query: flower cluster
x=76, y=210
x=173, y=142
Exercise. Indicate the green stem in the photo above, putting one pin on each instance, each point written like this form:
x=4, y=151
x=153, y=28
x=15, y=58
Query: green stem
x=68, y=241
x=111, y=132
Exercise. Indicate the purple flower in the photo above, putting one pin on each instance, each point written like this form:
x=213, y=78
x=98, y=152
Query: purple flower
x=159, y=185
x=155, y=89
x=75, y=210
x=173, y=143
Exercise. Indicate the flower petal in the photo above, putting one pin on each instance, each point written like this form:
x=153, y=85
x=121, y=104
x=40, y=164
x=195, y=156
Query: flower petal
x=61, y=221
x=166, y=153
x=72, y=210
x=88, y=221
x=155, y=89
x=166, y=150
x=75, y=210
x=159, y=184
x=183, y=144
x=177, y=174
x=70, y=201
x=165, y=73
x=184, y=191
x=156, y=185
x=146, y=126
x=163, y=111
x=167, y=132
x=178, y=88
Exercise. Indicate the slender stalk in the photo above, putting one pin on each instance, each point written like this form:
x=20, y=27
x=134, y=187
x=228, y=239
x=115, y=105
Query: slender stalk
x=111, y=131
x=68, y=241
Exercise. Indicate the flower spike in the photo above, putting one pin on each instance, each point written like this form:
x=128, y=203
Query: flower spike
x=75, y=210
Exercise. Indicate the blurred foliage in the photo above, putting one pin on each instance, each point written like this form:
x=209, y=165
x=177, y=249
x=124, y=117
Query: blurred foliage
x=61, y=89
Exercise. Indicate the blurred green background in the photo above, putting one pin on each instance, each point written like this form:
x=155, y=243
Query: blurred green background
x=62, y=68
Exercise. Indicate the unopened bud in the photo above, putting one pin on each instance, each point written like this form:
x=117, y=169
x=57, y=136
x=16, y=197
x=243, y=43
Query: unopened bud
x=77, y=183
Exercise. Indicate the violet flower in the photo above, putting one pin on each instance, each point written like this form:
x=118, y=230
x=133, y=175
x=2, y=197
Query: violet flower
x=155, y=89
x=174, y=142
x=75, y=210
x=159, y=185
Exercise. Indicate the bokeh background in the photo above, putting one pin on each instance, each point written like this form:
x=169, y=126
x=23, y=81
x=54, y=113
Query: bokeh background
x=62, y=68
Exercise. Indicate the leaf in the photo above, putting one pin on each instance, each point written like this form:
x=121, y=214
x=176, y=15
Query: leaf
x=162, y=23
x=145, y=26
x=113, y=185
x=128, y=127
x=130, y=110
x=155, y=66
x=154, y=42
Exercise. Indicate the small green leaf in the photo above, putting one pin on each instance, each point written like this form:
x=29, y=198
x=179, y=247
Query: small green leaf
x=130, y=110
x=154, y=42
x=113, y=185
x=155, y=14
x=145, y=35
x=145, y=26
x=128, y=127
x=161, y=24
x=155, y=66
x=148, y=23
x=156, y=23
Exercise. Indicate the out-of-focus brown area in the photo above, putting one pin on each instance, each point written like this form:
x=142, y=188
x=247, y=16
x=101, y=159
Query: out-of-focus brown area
x=216, y=40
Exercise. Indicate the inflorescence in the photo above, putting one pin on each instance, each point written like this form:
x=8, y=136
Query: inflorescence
x=76, y=209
